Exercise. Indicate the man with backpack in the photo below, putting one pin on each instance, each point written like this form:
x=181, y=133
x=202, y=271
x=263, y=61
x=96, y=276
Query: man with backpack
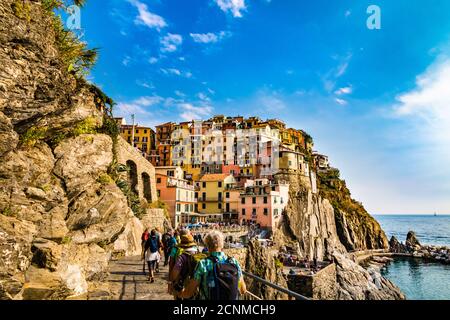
x=152, y=256
x=216, y=277
x=169, y=242
x=186, y=259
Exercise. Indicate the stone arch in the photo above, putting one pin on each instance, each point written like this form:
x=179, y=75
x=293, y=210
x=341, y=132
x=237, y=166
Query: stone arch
x=133, y=176
x=147, y=186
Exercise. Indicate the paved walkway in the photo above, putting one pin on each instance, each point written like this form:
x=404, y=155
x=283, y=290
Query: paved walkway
x=128, y=282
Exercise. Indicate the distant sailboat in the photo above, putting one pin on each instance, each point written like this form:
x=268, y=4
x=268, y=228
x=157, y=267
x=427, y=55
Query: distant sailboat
x=435, y=214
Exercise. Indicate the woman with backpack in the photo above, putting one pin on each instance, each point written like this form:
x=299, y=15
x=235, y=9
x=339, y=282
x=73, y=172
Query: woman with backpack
x=216, y=277
x=152, y=255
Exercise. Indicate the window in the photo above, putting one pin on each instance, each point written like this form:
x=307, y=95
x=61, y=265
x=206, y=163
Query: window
x=266, y=211
x=254, y=200
x=254, y=212
x=243, y=212
x=274, y=199
x=290, y=163
x=204, y=184
x=145, y=130
x=219, y=205
x=158, y=192
x=137, y=130
x=219, y=195
x=196, y=195
x=204, y=196
x=227, y=195
x=265, y=199
x=243, y=200
x=203, y=205
x=275, y=212
x=158, y=180
x=178, y=207
x=219, y=184
x=186, y=207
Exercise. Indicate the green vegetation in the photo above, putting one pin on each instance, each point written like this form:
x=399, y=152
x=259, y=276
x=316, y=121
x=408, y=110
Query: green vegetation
x=45, y=188
x=105, y=179
x=159, y=204
x=22, y=9
x=8, y=212
x=66, y=240
x=33, y=135
x=278, y=264
x=87, y=126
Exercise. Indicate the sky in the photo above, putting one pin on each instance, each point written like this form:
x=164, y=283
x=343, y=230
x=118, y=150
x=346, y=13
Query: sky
x=376, y=101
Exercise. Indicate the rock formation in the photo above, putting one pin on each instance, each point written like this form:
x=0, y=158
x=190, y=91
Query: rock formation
x=62, y=216
x=356, y=228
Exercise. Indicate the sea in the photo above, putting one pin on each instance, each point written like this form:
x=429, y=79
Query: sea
x=419, y=279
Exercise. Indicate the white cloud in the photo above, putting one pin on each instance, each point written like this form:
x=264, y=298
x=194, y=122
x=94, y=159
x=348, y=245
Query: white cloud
x=344, y=90
x=138, y=106
x=428, y=105
x=233, y=6
x=180, y=94
x=210, y=37
x=182, y=58
x=126, y=60
x=147, y=18
x=271, y=102
x=203, y=97
x=342, y=102
x=153, y=60
x=191, y=112
x=171, y=42
x=145, y=84
x=348, y=13
x=176, y=72
x=289, y=72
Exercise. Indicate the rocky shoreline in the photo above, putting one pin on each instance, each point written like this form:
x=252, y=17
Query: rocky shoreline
x=413, y=248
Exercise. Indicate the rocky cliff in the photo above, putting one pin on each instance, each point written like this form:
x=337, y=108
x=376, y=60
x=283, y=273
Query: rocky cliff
x=326, y=225
x=60, y=211
x=356, y=228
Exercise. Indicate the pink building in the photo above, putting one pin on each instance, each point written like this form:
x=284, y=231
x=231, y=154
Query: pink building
x=263, y=202
x=179, y=196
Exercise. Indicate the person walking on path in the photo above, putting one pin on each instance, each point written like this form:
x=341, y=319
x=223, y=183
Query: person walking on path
x=169, y=242
x=186, y=261
x=217, y=277
x=152, y=255
x=144, y=238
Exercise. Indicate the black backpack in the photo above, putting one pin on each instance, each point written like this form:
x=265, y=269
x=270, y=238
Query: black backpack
x=226, y=280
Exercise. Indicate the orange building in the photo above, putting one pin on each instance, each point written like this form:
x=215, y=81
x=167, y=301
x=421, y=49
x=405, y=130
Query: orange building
x=178, y=194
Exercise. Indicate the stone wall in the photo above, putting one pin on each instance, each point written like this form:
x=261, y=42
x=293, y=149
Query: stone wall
x=125, y=152
x=155, y=218
x=320, y=286
x=240, y=254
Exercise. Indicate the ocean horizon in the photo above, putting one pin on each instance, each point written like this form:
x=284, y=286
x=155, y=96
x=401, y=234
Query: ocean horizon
x=429, y=229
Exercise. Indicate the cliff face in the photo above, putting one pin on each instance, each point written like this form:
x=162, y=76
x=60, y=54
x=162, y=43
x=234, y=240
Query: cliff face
x=308, y=220
x=59, y=212
x=356, y=228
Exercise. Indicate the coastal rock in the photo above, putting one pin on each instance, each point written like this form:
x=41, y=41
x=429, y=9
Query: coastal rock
x=308, y=221
x=356, y=228
x=261, y=262
x=356, y=283
x=411, y=241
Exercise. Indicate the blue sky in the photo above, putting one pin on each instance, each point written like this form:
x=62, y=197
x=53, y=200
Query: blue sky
x=376, y=101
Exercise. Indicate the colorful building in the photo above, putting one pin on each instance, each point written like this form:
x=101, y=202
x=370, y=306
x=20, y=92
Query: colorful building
x=210, y=194
x=177, y=193
x=144, y=137
x=263, y=202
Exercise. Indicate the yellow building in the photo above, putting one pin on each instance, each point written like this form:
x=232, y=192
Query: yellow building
x=144, y=137
x=211, y=194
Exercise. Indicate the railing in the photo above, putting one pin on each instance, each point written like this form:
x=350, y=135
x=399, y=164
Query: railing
x=290, y=293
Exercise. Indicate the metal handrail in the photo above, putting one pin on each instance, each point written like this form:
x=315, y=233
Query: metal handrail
x=276, y=287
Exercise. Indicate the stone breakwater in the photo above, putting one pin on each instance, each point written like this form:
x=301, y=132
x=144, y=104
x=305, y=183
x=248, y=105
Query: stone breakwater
x=412, y=247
